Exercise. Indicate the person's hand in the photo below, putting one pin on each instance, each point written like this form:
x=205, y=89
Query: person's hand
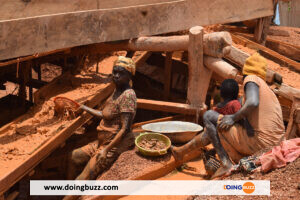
x=226, y=122
x=101, y=157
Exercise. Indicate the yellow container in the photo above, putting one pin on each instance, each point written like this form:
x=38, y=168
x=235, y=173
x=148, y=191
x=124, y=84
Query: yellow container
x=149, y=136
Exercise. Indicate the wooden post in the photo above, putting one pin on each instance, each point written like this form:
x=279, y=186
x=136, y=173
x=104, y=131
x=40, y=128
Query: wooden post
x=39, y=72
x=199, y=76
x=65, y=67
x=97, y=65
x=23, y=76
x=30, y=87
x=261, y=29
x=168, y=75
x=258, y=30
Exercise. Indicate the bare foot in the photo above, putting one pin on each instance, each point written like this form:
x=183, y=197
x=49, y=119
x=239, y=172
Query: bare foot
x=177, y=155
x=223, y=171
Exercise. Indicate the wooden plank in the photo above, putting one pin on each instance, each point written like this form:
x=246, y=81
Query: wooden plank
x=27, y=36
x=20, y=171
x=289, y=50
x=39, y=95
x=165, y=106
x=199, y=76
x=168, y=75
x=272, y=55
x=14, y=9
x=218, y=40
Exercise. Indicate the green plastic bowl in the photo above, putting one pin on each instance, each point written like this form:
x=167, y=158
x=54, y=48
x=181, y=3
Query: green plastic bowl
x=149, y=136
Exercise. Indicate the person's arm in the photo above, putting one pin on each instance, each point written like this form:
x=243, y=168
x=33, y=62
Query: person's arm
x=126, y=119
x=92, y=111
x=252, y=101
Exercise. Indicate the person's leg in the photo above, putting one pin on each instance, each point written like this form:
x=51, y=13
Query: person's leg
x=210, y=121
x=76, y=163
x=198, y=141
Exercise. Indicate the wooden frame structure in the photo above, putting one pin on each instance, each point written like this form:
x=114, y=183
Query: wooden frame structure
x=94, y=27
x=41, y=31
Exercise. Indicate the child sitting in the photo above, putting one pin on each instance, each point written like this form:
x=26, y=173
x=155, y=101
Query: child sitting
x=229, y=92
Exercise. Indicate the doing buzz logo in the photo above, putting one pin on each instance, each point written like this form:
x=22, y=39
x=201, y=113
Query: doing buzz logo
x=247, y=187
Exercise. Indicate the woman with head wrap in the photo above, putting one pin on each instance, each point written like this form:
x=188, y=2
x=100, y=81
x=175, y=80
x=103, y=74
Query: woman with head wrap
x=114, y=130
x=232, y=140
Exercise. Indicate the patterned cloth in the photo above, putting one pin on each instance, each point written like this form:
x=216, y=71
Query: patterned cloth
x=111, y=124
x=126, y=63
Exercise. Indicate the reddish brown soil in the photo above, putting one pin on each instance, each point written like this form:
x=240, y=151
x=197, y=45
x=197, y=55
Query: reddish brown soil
x=131, y=164
x=284, y=183
x=152, y=144
x=39, y=124
x=293, y=37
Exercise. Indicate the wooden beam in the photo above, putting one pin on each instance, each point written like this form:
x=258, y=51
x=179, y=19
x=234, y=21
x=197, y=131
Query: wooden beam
x=266, y=52
x=199, y=76
x=168, y=75
x=42, y=33
x=289, y=50
x=21, y=170
x=287, y=91
x=215, y=44
x=15, y=9
x=164, y=106
x=292, y=128
x=220, y=67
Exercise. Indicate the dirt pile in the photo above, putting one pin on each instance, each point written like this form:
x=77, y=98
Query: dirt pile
x=290, y=35
x=131, y=164
x=152, y=144
x=23, y=138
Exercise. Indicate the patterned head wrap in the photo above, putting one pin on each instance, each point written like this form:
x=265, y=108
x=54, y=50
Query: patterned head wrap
x=126, y=63
x=255, y=65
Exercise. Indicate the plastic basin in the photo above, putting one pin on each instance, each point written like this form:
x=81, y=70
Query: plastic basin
x=177, y=131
